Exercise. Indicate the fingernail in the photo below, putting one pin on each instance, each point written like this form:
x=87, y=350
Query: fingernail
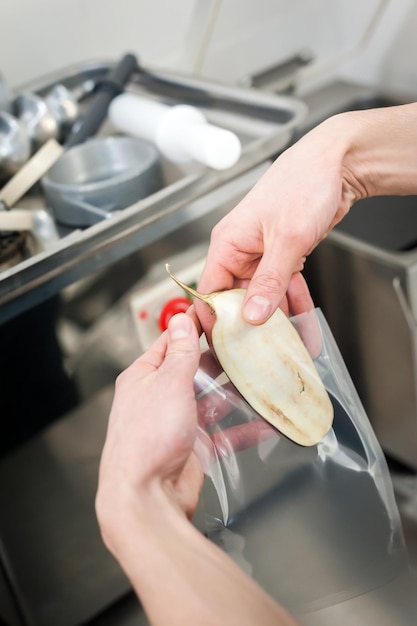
x=179, y=326
x=257, y=309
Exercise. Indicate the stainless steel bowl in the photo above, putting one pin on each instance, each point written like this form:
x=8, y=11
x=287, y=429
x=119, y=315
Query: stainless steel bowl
x=36, y=116
x=14, y=145
x=103, y=175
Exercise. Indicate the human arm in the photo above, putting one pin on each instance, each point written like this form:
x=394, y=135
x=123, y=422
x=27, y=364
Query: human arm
x=149, y=484
x=263, y=242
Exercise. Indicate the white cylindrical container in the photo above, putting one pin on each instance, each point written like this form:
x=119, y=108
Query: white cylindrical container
x=180, y=132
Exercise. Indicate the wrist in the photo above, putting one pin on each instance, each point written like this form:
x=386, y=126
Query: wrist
x=179, y=575
x=380, y=150
x=125, y=511
x=344, y=147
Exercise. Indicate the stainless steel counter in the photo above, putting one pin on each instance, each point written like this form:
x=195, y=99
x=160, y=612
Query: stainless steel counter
x=51, y=548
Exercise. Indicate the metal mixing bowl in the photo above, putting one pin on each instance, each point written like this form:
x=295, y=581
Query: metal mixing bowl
x=103, y=175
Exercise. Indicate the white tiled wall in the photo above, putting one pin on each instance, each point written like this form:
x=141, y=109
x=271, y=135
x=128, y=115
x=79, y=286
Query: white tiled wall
x=224, y=39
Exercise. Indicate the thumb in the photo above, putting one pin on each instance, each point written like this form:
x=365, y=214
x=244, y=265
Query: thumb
x=269, y=284
x=183, y=353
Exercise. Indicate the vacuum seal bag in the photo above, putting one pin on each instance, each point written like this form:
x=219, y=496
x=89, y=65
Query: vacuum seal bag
x=313, y=525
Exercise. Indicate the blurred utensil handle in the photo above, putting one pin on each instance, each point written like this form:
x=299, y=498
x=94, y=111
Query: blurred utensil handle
x=106, y=89
x=30, y=173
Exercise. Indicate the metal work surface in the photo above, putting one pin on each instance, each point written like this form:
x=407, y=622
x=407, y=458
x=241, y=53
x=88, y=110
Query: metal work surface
x=53, y=554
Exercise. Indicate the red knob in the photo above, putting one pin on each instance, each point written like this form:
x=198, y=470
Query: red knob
x=172, y=307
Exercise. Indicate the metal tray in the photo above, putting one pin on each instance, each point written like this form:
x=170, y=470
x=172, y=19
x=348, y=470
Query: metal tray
x=265, y=124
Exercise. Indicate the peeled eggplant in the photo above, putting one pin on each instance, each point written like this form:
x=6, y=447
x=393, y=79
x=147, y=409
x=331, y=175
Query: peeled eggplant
x=270, y=366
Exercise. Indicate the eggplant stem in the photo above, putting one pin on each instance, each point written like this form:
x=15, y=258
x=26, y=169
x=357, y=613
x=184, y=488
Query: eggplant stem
x=205, y=297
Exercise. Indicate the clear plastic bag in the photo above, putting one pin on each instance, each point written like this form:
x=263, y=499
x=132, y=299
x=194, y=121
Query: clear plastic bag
x=313, y=525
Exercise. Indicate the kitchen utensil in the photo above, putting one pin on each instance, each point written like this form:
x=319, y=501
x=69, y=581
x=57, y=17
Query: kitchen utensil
x=104, y=174
x=181, y=132
x=14, y=145
x=30, y=173
x=36, y=116
x=39, y=124
x=64, y=105
x=37, y=221
x=110, y=86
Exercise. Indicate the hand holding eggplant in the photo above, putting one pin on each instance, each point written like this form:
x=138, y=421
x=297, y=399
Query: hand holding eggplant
x=270, y=366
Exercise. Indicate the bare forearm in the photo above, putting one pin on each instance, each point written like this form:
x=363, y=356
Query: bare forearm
x=380, y=149
x=182, y=578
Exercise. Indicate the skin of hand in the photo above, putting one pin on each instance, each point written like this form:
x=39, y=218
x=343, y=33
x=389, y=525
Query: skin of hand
x=263, y=242
x=152, y=424
x=149, y=482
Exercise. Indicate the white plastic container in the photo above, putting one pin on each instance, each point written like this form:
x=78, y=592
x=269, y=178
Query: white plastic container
x=181, y=132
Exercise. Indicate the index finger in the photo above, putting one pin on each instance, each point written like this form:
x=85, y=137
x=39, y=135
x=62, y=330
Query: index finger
x=271, y=278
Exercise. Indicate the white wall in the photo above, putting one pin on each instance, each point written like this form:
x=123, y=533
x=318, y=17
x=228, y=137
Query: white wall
x=371, y=41
x=390, y=56
x=38, y=36
x=252, y=35
x=224, y=39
